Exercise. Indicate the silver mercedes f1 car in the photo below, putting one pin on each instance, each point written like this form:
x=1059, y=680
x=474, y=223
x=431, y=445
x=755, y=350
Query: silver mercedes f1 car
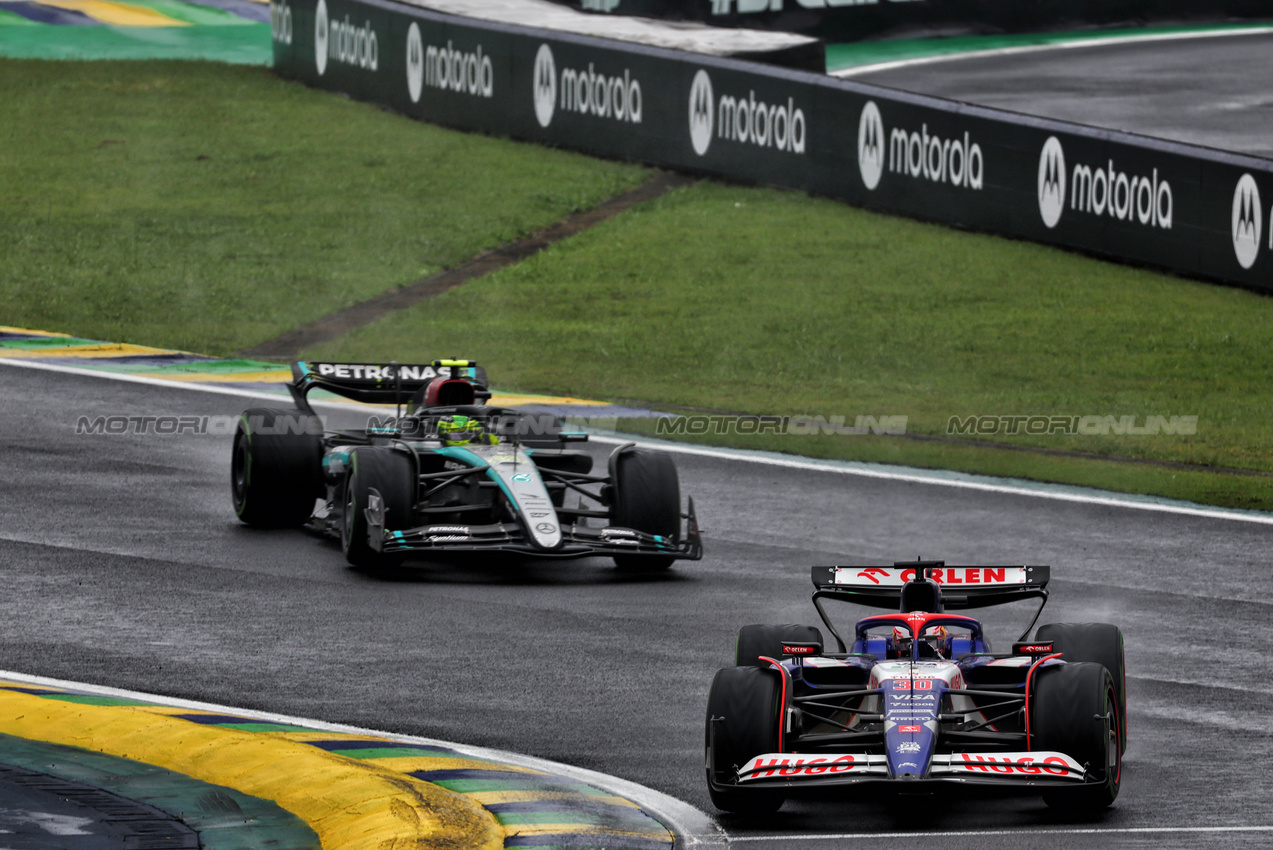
x=448, y=473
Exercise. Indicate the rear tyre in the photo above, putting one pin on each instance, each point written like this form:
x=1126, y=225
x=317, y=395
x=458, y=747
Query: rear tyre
x=1074, y=710
x=647, y=497
x=1098, y=642
x=276, y=467
x=746, y=704
x=391, y=475
x=762, y=640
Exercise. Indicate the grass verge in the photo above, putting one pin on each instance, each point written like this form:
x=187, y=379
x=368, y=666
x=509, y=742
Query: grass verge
x=760, y=301
x=210, y=207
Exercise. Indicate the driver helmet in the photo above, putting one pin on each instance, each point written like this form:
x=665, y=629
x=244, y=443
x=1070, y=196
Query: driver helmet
x=458, y=430
x=936, y=637
x=901, y=641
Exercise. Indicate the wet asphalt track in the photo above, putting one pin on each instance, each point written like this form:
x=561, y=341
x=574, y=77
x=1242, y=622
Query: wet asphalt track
x=123, y=564
x=1211, y=91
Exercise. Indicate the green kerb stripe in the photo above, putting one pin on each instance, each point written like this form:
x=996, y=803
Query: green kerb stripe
x=636, y=819
x=10, y=19
x=85, y=699
x=403, y=752
x=474, y=786
x=245, y=43
x=47, y=342
x=262, y=727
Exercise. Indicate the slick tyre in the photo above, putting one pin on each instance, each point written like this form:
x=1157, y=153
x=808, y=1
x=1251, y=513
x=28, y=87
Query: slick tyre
x=1074, y=710
x=391, y=474
x=276, y=467
x=743, y=708
x=762, y=640
x=1098, y=642
x=646, y=497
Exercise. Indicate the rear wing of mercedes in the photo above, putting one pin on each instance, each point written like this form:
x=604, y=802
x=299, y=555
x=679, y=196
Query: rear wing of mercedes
x=961, y=586
x=379, y=383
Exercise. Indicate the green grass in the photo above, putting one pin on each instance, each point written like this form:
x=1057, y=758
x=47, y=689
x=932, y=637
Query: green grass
x=211, y=207
x=755, y=300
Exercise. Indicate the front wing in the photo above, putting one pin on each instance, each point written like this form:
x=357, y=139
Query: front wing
x=577, y=540
x=792, y=771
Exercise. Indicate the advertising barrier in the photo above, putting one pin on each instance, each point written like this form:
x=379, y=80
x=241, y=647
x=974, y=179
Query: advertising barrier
x=853, y=20
x=1190, y=210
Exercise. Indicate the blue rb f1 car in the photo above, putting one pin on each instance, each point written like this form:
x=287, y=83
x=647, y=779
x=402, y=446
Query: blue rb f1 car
x=917, y=700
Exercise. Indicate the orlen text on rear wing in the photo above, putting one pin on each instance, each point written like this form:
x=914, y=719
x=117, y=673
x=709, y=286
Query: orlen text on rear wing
x=961, y=586
x=379, y=383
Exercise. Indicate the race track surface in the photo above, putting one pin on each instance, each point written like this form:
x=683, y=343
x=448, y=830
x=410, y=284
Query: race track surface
x=1211, y=91
x=123, y=565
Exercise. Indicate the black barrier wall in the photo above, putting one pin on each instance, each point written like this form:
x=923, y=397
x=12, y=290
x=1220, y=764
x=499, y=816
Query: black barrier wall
x=852, y=20
x=1187, y=209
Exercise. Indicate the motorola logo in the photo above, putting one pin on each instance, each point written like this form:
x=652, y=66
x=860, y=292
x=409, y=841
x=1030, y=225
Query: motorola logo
x=1102, y=190
x=702, y=112
x=1248, y=221
x=1051, y=182
x=415, y=62
x=744, y=120
x=281, y=22
x=871, y=145
x=545, y=83
x=320, y=37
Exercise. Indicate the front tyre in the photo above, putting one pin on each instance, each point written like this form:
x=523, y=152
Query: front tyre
x=647, y=497
x=744, y=708
x=392, y=475
x=276, y=467
x=1074, y=710
x=1101, y=643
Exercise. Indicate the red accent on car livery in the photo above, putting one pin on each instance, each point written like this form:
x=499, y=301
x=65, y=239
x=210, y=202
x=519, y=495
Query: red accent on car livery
x=782, y=711
x=1016, y=763
x=776, y=764
x=917, y=621
x=1029, y=675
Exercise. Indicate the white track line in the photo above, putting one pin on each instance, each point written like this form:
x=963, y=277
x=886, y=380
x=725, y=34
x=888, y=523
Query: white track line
x=141, y=379
x=964, y=481
x=692, y=827
x=1096, y=830
x=984, y=484
x=1034, y=48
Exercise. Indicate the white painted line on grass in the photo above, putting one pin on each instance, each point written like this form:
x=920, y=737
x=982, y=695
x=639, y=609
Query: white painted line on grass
x=1034, y=48
x=1020, y=833
x=692, y=827
x=985, y=484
